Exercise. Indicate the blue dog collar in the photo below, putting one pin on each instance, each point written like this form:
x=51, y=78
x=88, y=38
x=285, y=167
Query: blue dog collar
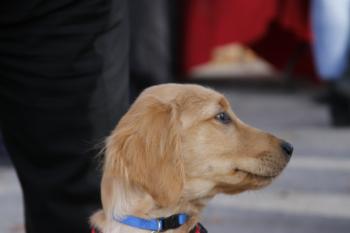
x=156, y=224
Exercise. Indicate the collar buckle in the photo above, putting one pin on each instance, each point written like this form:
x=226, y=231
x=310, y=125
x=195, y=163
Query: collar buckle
x=159, y=226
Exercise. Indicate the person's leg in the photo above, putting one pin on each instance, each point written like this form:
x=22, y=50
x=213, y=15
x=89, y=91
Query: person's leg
x=63, y=87
x=331, y=28
x=150, y=44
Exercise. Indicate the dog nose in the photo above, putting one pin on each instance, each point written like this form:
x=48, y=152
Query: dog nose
x=287, y=148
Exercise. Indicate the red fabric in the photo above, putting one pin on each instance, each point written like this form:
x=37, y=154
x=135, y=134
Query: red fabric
x=256, y=23
x=294, y=16
x=198, y=229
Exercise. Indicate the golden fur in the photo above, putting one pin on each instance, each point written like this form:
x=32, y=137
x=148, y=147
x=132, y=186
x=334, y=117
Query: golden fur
x=169, y=154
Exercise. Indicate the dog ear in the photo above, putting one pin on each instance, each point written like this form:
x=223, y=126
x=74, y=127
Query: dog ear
x=145, y=150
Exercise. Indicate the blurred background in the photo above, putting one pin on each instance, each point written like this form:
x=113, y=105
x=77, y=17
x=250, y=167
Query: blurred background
x=284, y=65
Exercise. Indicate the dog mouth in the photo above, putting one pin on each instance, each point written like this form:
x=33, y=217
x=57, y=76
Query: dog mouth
x=247, y=181
x=256, y=175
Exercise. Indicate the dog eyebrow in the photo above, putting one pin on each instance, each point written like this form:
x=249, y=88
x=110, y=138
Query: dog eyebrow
x=224, y=103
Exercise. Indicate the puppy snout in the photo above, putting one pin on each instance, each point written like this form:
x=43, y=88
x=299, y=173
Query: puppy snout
x=287, y=149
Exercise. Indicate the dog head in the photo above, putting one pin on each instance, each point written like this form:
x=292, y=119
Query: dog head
x=183, y=142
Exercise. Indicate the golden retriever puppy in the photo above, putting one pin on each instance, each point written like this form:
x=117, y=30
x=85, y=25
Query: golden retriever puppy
x=175, y=149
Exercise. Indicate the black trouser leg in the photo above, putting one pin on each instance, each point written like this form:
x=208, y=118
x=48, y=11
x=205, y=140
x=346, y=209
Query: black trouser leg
x=63, y=88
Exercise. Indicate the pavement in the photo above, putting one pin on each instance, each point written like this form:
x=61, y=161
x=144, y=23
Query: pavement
x=312, y=195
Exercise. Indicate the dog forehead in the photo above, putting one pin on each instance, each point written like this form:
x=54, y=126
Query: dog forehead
x=194, y=102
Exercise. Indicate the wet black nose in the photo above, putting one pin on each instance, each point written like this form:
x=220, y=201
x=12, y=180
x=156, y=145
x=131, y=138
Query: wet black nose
x=287, y=148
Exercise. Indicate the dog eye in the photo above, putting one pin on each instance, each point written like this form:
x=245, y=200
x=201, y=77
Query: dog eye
x=223, y=117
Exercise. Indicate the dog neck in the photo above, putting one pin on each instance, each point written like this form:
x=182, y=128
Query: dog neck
x=127, y=200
